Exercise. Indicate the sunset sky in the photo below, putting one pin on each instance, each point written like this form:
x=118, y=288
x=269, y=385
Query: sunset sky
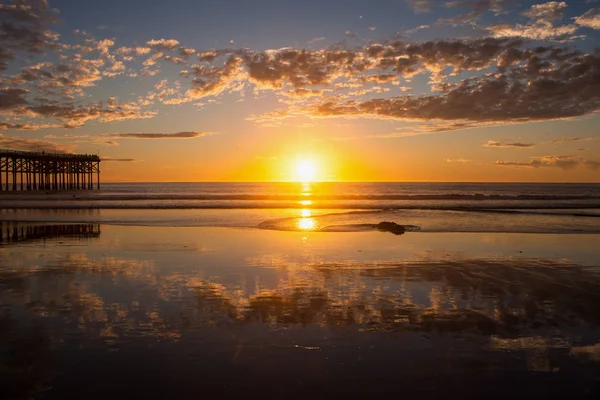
x=186, y=90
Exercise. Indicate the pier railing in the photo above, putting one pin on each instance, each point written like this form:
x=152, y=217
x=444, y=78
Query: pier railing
x=24, y=170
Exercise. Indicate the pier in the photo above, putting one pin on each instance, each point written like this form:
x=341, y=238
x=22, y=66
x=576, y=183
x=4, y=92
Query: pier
x=28, y=171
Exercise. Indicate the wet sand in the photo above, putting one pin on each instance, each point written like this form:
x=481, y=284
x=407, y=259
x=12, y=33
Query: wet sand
x=107, y=311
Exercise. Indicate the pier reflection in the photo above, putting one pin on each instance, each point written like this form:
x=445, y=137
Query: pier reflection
x=17, y=232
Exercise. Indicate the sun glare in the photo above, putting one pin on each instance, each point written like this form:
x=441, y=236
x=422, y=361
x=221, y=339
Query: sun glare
x=305, y=170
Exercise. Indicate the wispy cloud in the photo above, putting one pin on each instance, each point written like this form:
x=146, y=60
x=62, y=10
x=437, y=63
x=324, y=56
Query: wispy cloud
x=590, y=19
x=420, y=6
x=573, y=139
x=15, y=143
x=493, y=143
x=119, y=159
x=177, y=135
x=316, y=40
x=458, y=160
x=563, y=162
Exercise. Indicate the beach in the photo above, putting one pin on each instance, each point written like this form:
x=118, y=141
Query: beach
x=105, y=309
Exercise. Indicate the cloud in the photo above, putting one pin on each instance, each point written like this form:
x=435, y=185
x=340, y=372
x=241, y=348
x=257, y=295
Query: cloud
x=540, y=30
x=142, y=50
x=420, y=6
x=563, y=162
x=549, y=11
x=177, y=135
x=28, y=126
x=492, y=143
x=119, y=159
x=11, y=98
x=14, y=143
x=527, y=85
x=24, y=28
x=316, y=39
x=472, y=83
x=478, y=7
x=541, y=24
x=458, y=160
x=591, y=164
x=73, y=115
x=590, y=19
x=163, y=44
x=573, y=139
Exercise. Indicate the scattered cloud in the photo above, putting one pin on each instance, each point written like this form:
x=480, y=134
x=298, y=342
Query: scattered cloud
x=591, y=164
x=458, y=160
x=493, y=143
x=177, y=135
x=316, y=40
x=163, y=44
x=590, y=19
x=119, y=159
x=541, y=25
x=563, y=162
x=477, y=7
x=472, y=83
x=420, y=6
x=15, y=143
x=549, y=11
x=573, y=139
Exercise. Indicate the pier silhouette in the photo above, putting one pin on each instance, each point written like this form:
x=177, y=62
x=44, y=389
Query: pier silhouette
x=28, y=171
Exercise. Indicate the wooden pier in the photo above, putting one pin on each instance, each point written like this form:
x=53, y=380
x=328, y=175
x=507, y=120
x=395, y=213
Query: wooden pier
x=23, y=170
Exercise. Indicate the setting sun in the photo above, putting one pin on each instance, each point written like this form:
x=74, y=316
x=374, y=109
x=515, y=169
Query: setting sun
x=305, y=170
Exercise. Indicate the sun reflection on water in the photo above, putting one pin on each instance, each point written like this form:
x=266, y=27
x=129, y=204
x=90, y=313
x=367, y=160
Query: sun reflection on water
x=306, y=223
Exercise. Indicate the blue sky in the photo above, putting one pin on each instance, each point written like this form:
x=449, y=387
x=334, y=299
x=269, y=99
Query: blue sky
x=463, y=90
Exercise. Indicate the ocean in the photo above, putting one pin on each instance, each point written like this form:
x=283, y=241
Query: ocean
x=339, y=206
x=181, y=290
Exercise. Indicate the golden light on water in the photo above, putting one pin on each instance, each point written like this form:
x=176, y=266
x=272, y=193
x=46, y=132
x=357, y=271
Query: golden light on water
x=307, y=223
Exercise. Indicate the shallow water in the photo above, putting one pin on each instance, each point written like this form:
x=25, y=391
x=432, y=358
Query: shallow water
x=341, y=206
x=102, y=311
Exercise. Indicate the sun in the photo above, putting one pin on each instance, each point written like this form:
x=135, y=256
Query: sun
x=305, y=170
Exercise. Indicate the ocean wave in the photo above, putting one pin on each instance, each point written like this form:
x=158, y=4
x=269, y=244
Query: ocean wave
x=141, y=197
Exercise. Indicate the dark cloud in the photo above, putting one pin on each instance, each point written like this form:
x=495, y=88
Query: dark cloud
x=573, y=139
x=26, y=126
x=24, y=27
x=11, y=98
x=537, y=84
x=493, y=143
x=478, y=82
x=562, y=162
x=119, y=159
x=177, y=135
x=73, y=115
x=591, y=164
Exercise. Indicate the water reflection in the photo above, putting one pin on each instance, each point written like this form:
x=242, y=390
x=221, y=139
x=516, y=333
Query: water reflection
x=17, y=232
x=85, y=302
x=306, y=223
